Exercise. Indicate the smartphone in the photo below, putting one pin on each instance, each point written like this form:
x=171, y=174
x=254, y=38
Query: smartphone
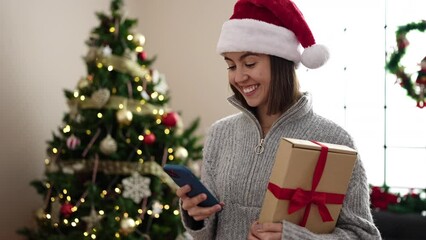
x=183, y=176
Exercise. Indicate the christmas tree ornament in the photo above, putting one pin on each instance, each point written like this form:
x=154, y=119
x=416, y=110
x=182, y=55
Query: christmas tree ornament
x=92, y=220
x=157, y=207
x=139, y=39
x=106, y=51
x=149, y=138
x=414, y=90
x=181, y=153
x=40, y=214
x=66, y=209
x=127, y=225
x=73, y=142
x=108, y=145
x=170, y=119
x=136, y=187
x=161, y=85
x=100, y=97
x=124, y=116
x=142, y=56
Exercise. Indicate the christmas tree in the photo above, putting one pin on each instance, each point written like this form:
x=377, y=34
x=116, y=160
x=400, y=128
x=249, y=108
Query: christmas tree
x=104, y=177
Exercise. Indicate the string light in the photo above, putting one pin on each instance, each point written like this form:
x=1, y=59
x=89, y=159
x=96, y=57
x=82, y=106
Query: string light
x=170, y=150
x=82, y=98
x=137, y=79
x=88, y=132
x=139, y=88
x=130, y=37
x=155, y=111
x=158, y=121
x=167, y=131
x=55, y=150
x=117, y=190
x=99, y=115
x=120, y=106
x=139, y=49
x=99, y=65
x=149, y=212
x=48, y=216
x=176, y=212
x=117, y=235
x=112, y=29
x=46, y=161
x=171, y=157
x=140, y=137
x=161, y=97
x=138, y=109
x=76, y=94
x=139, y=152
x=154, y=95
x=110, y=68
x=67, y=129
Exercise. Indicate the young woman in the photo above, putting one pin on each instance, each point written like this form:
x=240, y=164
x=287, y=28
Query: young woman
x=260, y=46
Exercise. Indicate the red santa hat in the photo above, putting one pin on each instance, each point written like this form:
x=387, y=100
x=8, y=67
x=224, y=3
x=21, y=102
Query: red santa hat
x=274, y=27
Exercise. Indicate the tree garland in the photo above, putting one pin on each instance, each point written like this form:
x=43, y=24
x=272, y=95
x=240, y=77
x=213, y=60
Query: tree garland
x=393, y=64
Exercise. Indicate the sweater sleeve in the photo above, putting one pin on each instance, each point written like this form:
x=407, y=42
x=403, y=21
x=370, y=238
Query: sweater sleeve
x=204, y=229
x=355, y=219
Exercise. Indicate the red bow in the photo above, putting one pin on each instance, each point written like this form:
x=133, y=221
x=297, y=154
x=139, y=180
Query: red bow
x=300, y=198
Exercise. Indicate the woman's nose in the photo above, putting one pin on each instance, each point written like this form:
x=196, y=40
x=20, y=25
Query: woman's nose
x=240, y=76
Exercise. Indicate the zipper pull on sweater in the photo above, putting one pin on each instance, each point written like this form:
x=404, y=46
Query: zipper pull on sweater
x=259, y=148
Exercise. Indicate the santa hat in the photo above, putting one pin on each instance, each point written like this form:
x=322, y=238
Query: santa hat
x=273, y=27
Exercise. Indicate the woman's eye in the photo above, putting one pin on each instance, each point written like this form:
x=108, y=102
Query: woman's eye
x=250, y=65
x=231, y=67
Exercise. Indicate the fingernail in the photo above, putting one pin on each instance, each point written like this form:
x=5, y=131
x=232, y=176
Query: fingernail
x=258, y=226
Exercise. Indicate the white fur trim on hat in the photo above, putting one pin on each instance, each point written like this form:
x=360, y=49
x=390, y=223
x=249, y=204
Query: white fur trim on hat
x=240, y=35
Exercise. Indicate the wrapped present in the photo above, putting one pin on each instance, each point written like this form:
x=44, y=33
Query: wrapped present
x=308, y=183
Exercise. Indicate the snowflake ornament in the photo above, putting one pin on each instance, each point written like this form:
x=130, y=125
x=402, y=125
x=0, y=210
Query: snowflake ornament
x=136, y=187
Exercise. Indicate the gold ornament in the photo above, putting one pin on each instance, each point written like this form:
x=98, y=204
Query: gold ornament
x=100, y=97
x=127, y=226
x=108, y=145
x=181, y=153
x=139, y=39
x=124, y=116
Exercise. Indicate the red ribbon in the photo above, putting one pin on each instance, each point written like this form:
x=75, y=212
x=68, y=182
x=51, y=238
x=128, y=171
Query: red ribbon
x=300, y=198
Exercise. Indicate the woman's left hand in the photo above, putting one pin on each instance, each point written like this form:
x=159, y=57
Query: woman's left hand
x=265, y=231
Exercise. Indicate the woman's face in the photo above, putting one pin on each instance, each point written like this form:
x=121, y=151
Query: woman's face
x=250, y=74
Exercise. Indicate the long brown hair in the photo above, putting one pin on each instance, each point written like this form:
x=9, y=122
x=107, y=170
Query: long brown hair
x=284, y=89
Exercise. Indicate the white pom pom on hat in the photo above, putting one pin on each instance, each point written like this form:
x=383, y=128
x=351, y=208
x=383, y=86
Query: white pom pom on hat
x=274, y=27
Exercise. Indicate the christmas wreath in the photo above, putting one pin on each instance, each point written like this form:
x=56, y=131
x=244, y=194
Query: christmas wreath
x=393, y=64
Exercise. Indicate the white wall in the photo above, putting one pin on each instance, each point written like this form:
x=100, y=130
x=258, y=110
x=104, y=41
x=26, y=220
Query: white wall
x=41, y=45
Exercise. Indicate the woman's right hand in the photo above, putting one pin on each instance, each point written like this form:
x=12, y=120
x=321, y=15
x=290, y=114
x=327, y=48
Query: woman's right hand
x=190, y=204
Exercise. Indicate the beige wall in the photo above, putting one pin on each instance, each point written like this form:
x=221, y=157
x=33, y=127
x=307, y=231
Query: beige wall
x=42, y=43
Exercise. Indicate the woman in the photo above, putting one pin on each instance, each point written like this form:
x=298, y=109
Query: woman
x=260, y=46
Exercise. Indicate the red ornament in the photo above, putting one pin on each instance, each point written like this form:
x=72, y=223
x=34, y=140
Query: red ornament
x=170, y=119
x=66, y=209
x=149, y=138
x=142, y=56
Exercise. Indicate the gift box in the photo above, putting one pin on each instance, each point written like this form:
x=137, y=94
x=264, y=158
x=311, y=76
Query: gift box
x=308, y=183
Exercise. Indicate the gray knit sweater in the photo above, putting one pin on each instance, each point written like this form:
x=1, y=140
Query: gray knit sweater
x=239, y=177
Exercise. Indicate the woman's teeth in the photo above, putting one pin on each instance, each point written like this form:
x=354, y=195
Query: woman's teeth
x=250, y=89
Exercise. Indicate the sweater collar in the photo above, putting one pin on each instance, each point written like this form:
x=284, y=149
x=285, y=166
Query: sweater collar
x=302, y=107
